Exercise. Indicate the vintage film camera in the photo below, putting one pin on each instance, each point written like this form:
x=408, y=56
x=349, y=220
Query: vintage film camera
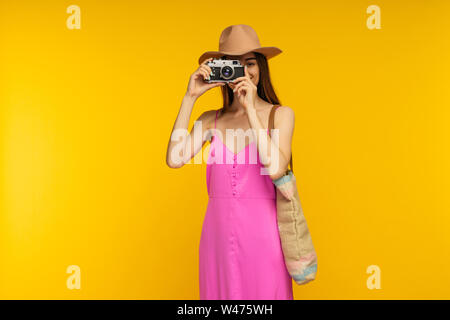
x=225, y=70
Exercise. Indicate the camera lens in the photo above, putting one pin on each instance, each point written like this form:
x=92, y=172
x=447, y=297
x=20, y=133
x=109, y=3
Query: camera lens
x=227, y=72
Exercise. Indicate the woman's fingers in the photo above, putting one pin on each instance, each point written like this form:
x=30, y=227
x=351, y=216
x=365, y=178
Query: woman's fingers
x=239, y=79
x=239, y=85
x=206, y=61
x=241, y=90
x=247, y=75
x=200, y=74
x=203, y=73
x=206, y=69
x=205, y=65
x=206, y=74
x=217, y=84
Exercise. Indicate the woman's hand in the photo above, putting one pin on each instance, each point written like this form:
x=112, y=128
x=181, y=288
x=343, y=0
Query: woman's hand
x=246, y=90
x=197, y=86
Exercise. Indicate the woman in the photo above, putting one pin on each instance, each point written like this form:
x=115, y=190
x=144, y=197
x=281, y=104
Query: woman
x=240, y=255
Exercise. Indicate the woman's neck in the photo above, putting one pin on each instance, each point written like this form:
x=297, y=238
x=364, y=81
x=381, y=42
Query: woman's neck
x=237, y=108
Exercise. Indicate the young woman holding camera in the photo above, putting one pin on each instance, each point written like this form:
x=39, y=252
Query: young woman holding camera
x=240, y=254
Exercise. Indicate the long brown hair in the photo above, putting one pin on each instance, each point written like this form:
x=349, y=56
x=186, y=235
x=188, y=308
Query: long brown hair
x=265, y=89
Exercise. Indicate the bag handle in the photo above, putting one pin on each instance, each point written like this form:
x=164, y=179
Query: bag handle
x=271, y=122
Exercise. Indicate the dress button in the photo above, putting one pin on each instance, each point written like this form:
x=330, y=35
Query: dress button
x=234, y=193
x=234, y=174
x=233, y=183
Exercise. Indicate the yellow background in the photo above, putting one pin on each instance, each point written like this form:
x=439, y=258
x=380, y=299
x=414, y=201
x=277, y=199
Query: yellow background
x=86, y=117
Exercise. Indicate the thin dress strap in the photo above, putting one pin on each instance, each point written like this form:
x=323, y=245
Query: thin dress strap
x=214, y=132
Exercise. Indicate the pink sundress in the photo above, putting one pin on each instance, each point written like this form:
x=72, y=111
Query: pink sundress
x=240, y=255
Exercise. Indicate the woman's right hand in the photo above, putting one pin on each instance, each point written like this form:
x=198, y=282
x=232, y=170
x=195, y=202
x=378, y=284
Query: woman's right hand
x=197, y=86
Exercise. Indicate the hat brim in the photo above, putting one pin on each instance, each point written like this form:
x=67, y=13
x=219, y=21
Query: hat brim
x=268, y=52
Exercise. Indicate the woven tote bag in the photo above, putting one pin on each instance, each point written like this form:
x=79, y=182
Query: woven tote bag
x=298, y=249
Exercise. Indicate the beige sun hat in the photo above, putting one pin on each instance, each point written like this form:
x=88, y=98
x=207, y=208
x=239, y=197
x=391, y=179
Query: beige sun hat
x=238, y=40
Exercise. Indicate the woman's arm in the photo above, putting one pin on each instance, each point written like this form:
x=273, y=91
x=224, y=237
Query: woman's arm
x=284, y=120
x=183, y=147
x=181, y=152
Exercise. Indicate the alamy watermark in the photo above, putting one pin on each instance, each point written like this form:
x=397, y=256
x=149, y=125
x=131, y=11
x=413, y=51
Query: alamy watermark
x=224, y=152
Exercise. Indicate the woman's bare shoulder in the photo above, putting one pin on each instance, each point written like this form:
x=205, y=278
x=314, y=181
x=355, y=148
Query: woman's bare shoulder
x=285, y=111
x=284, y=115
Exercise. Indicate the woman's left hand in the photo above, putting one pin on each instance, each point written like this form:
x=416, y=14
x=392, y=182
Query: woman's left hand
x=246, y=90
